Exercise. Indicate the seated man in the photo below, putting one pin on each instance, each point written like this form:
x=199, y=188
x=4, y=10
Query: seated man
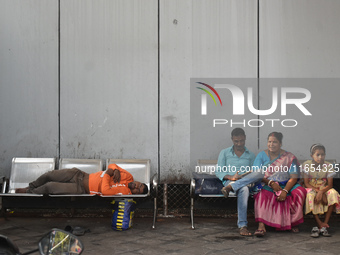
x=115, y=180
x=231, y=161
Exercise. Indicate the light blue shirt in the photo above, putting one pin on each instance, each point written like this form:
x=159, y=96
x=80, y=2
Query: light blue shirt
x=229, y=163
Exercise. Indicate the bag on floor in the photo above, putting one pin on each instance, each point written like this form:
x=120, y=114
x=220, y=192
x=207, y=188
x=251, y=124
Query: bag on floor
x=123, y=212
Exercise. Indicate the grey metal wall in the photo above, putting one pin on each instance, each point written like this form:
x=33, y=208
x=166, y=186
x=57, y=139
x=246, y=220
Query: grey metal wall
x=120, y=72
x=28, y=80
x=109, y=79
x=300, y=39
x=203, y=39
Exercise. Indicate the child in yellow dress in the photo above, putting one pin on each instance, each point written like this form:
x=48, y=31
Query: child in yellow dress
x=321, y=197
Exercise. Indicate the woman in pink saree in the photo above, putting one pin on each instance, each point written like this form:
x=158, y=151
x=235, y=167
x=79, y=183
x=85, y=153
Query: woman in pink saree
x=280, y=202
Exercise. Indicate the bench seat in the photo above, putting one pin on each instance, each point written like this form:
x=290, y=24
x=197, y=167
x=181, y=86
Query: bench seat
x=87, y=165
x=26, y=170
x=209, y=167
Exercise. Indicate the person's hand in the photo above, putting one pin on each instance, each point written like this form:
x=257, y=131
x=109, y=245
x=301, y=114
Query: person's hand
x=324, y=199
x=275, y=186
x=116, y=175
x=318, y=197
x=282, y=197
x=109, y=172
x=235, y=177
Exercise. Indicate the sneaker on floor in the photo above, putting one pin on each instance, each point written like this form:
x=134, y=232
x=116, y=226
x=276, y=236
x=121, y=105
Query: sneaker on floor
x=324, y=232
x=315, y=232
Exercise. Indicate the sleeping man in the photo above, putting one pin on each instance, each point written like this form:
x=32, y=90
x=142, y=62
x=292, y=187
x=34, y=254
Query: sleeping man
x=114, y=181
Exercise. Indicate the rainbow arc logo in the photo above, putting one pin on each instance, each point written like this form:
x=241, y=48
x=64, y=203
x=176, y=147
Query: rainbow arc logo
x=207, y=91
x=204, y=97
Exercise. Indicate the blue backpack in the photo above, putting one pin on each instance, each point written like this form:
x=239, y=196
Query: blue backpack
x=123, y=212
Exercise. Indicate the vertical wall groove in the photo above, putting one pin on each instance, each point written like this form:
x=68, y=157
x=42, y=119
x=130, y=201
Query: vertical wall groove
x=159, y=91
x=258, y=69
x=59, y=79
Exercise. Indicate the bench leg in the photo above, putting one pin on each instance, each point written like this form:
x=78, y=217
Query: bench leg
x=154, y=212
x=192, y=213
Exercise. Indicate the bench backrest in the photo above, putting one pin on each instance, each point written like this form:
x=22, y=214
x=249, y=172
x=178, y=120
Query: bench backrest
x=139, y=168
x=87, y=165
x=26, y=170
x=206, y=166
x=332, y=161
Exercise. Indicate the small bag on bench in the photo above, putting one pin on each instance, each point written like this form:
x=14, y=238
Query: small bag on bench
x=123, y=213
x=207, y=184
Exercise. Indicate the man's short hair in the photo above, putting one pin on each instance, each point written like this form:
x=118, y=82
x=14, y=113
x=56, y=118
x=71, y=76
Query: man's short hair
x=145, y=189
x=238, y=132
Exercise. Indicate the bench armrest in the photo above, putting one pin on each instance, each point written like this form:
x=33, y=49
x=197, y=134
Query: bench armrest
x=192, y=188
x=155, y=185
x=4, y=183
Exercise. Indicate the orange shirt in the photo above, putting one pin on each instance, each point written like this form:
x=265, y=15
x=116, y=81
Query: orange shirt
x=103, y=184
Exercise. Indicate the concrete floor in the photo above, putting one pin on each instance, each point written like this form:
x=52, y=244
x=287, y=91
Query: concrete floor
x=174, y=236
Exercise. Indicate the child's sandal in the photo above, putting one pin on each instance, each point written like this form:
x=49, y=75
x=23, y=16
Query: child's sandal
x=324, y=232
x=315, y=232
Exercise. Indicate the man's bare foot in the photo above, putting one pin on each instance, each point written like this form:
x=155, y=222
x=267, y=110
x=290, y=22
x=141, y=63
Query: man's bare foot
x=244, y=231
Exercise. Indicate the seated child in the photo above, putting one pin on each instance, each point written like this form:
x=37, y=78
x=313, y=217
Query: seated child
x=321, y=197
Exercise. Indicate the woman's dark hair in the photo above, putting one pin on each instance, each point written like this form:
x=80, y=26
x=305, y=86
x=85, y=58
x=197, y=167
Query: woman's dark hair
x=317, y=146
x=237, y=132
x=277, y=135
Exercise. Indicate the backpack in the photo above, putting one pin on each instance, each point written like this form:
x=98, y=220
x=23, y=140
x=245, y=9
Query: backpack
x=123, y=213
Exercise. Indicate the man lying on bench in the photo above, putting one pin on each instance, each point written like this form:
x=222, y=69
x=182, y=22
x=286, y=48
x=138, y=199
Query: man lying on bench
x=114, y=181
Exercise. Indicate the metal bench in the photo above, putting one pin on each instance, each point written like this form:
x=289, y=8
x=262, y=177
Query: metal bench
x=87, y=165
x=203, y=167
x=24, y=171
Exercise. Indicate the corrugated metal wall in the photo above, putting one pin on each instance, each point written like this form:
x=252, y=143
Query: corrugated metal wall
x=109, y=79
x=118, y=73
x=300, y=39
x=28, y=80
x=199, y=39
